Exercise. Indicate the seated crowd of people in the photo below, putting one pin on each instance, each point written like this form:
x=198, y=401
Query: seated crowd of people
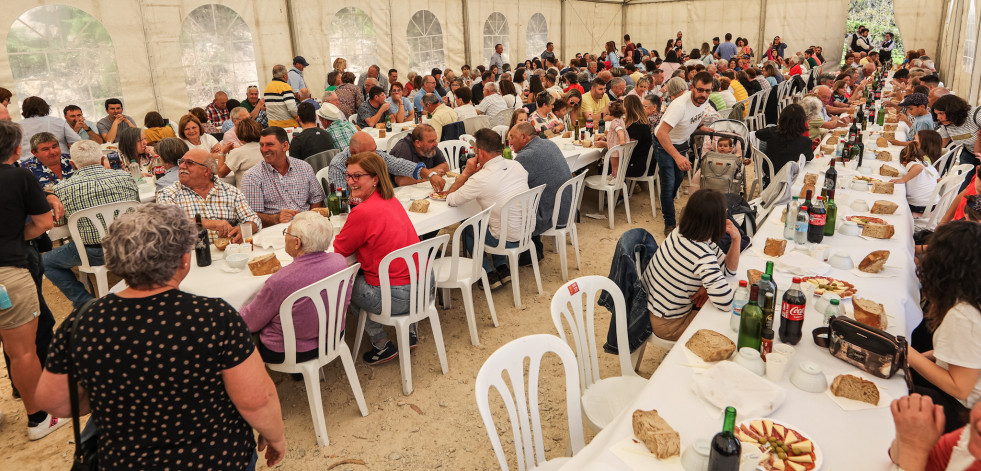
x=233, y=162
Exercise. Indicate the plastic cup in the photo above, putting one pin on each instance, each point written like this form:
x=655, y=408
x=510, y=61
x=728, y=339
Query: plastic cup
x=246, y=230
x=245, y=247
x=784, y=349
x=776, y=365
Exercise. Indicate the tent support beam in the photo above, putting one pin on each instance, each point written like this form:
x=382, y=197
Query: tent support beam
x=760, y=51
x=466, y=35
x=623, y=20
x=290, y=24
x=562, y=38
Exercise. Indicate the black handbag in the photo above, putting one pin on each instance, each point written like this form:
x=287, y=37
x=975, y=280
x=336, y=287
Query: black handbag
x=871, y=350
x=86, y=453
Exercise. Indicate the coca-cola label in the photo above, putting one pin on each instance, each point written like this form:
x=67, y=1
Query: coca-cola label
x=792, y=312
x=817, y=219
x=159, y=170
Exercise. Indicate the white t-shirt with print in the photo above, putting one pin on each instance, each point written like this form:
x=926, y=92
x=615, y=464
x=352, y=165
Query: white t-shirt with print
x=958, y=342
x=684, y=118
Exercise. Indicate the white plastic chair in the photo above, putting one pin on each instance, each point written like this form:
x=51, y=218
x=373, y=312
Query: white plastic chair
x=451, y=150
x=502, y=118
x=459, y=272
x=390, y=144
x=474, y=123
x=502, y=130
x=100, y=218
x=574, y=303
x=944, y=194
x=504, y=371
x=420, y=258
x=652, y=180
x=526, y=203
x=759, y=158
x=468, y=138
x=574, y=186
x=353, y=119
x=602, y=184
x=330, y=318
x=755, y=119
x=948, y=159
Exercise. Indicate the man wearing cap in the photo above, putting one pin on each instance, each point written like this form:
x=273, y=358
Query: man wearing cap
x=916, y=106
x=339, y=129
x=296, y=74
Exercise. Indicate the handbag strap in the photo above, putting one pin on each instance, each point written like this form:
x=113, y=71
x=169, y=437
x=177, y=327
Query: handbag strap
x=73, y=380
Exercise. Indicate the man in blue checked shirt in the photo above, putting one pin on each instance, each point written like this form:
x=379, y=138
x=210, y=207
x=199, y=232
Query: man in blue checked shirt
x=280, y=186
x=47, y=163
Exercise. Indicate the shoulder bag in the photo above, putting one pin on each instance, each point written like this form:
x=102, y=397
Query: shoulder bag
x=871, y=350
x=86, y=453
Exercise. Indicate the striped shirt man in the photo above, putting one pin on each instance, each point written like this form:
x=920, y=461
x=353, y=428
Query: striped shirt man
x=224, y=202
x=280, y=104
x=678, y=269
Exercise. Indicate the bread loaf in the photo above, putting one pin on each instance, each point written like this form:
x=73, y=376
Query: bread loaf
x=884, y=188
x=322, y=211
x=754, y=276
x=874, y=262
x=222, y=242
x=884, y=207
x=775, y=247
x=710, y=345
x=853, y=387
x=419, y=206
x=807, y=187
x=264, y=265
x=890, y=127
x=661, y=440
x=888, y=171
x=828, y=149
x=870, y=313
x=884, y=156
x=891, y=135
x=811, y=179
x=882, y=142
x=878, y=231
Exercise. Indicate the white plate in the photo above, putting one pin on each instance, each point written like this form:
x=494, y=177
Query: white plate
x=818, y=455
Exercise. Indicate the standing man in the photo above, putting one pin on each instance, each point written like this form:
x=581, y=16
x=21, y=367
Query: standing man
x=280, y=186
x=885, y=49
x=497, y=59
x=279, y=100
x=715, y=44
x=84, y=128
x=115, y=121
x=218, y=110
x=295, y=76
x=393, y=76
x=549, y=53
x=683, y=116
x=727, y=49
x=375, y=72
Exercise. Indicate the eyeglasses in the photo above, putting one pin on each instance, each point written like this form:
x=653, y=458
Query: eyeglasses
x=355, y=176
x=286, y=233
x=189, y=161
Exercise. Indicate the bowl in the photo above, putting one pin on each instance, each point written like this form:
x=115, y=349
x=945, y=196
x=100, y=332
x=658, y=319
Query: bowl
x=751, y=360
x=860, y=185
x=696, y=456
x=824, y=301
x=237, y=261
x=809, y=377
x=860, y=205
x=841, y=261
x=850, y=228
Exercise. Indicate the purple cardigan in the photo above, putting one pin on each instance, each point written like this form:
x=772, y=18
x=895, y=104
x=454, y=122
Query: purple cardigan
x=262, y=314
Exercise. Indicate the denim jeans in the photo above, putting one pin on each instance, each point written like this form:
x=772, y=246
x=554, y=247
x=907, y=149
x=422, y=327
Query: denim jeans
x=368, y=297
x=58, y=265
x=489, y=241
x=967, y=157
x=671, y=177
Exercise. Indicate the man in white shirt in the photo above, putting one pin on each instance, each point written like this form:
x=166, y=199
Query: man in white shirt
x=491, y=180
x=682, y=118
x=463, y=107
x=493, y=102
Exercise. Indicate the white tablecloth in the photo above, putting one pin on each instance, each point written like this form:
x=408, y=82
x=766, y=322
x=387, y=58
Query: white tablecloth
x=849, y=440
x=382, y=142
x=578, y=156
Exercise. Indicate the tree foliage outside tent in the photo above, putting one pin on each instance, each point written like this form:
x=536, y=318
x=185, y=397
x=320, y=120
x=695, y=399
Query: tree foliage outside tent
x=879, y=17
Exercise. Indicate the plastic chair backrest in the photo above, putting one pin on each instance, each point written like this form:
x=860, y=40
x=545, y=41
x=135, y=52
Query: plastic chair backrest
x=573, y=186
x=502, y=130
x=469, y=139
x=330, y=316
x=420, y=259
x=478, y=224
x=946, y=191
x=451, y=150
x=943, y=164
x=353, y=119
x=99, y=218
x=320, y=159
x=323, y=176
x=476, y=123
x=526, y=203
x=575, y=303
x=390, y=144
x=504, y=371
x=503, y=117
x=625, y=152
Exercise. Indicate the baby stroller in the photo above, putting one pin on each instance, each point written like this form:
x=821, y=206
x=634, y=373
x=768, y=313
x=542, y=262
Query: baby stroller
x=724, y=172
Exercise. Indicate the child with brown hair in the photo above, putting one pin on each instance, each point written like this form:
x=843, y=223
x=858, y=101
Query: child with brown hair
x=616, y=134
x=920, y=178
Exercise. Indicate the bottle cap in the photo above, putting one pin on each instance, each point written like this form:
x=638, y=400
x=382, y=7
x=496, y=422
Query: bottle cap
x=820, y=198
x=765, y=276
x=795, y=197
x=835, y=302
x=796, y=279
x=742, y=283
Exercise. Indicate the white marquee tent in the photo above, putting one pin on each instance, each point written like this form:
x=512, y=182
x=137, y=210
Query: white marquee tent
x=170, y=55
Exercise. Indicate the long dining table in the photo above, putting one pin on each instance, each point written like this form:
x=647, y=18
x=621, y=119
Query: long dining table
x=848, y=439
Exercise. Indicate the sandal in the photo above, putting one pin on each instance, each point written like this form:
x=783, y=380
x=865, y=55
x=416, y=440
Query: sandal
x=376, y=356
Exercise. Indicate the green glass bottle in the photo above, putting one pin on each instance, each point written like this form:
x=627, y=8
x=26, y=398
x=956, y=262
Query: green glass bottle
x=751, y=322
x=726, y=449
x=333, y=202
x=832, y=208
x=506, y=152
x=881, y=117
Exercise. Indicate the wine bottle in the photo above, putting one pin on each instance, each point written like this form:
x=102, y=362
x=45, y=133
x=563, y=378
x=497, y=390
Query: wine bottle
x=333, y=202
x=832, y=213
x=831, y=177
x=751, y=322
x=202, y=246
x=726, y=449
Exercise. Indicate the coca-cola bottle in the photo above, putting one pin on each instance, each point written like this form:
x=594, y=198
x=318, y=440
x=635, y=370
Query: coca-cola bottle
x=817, y=216
x=792, y=313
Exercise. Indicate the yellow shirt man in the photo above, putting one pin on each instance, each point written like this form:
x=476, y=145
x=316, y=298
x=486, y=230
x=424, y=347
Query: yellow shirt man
x=591, y=106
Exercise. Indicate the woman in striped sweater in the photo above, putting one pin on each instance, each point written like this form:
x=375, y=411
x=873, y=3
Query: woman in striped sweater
x=689, y=268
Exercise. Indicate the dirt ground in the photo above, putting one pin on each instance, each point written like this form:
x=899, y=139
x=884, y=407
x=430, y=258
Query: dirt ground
x=438, y=426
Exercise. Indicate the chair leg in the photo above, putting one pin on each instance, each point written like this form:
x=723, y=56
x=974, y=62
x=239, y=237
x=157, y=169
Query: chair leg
x=405, y=363
x=446, y=298
x=637, y=356
x=563, y=257
x=650, y=188
x=487, y=294
x=534, y=265
x=467, y=294
x=515, y=285
x=611, y=205
x=574, y=234
x=438, y=338
x=600, y=199
x=102, y=284
x=626, y=207
x=352, y=377
x=311, y=380
x=362, y=318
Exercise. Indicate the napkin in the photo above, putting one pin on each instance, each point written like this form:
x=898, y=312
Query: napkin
x=754, y=396
x=887, y=272
x=637, y=458
x=270, y=237
x=850, y=404
x=799, y=263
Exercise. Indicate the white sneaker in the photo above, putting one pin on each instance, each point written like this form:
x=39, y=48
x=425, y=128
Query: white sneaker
x=50, y=424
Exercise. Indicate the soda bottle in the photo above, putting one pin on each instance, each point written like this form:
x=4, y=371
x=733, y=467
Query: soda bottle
x=738, y=301
x=832, y=213
x=792, y=313
x=831, y=177
x=833, y=310
x=800, y=230
x=751, y=322
x=589, y=124
x=790, y=220
x=726, y=450
x=815, y=225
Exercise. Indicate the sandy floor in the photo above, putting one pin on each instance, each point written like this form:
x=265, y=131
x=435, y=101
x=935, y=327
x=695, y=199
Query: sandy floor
x=438, y=426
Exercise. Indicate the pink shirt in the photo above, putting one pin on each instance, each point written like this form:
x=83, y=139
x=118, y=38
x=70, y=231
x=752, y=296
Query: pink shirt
x=374, y=229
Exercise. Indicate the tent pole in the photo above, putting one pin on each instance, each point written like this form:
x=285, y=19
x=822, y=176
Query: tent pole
x=289, y=22
x=391, y=35
x=149, y=57
x=466, y=35
x=623, y=20
x=565, y=56
x=759, y=50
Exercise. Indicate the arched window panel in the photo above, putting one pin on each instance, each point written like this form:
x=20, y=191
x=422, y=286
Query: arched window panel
x=217, y=53
x=496, y=32
x=536, y=36
x=64, y=55
x=352, y=36
x=425, y=38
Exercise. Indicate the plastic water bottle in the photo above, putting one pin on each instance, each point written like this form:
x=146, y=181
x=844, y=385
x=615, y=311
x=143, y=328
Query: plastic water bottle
x=839, y=148
x=739, y=300
x=5, y=298
x=833, y=310
x=790, y=220
x=800, y=231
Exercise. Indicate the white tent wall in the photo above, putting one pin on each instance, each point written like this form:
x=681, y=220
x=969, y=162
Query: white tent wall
x=590, y=26
x=652, y=24
x=803, y=23
x=919, y=23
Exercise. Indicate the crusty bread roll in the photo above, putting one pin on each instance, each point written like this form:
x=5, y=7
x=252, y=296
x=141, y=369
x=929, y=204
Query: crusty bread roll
x=775, y=247
x=710, y=345
x=567, y=134
x=884, y=156
x=890, y=127
x=419, y=206
x=754, y=276
x=889, y=135
x=870, y=313
x=883, y=188
x=828, y=149
x=853, y=387
x=807, y=187
x=222, y=242
x=874, y=262
x=810, y=179
x=661, y=440
x=322, y=211
x=878, y=231
x=264, y=265
x=882, y=142
x=884, y=207
x=888, y=171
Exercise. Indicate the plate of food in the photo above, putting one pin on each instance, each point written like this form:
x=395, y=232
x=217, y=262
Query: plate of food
x=825, y=284
x=783, y=447
x=864, y=178
x=438, y=195
x=863, y=220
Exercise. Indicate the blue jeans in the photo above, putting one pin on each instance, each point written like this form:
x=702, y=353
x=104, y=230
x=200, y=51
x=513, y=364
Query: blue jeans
x=58, y=265
x=368, y=297
x=491, y=241
x=967, y=157
x=671, y=177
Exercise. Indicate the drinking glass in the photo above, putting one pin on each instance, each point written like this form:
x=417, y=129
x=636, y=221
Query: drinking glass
x=246, y=233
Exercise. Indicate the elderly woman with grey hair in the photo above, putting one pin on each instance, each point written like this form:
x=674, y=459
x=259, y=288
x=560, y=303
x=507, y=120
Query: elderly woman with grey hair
x=812, y=115
x=163, y=368
x=170, y=149
x=308, y=237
